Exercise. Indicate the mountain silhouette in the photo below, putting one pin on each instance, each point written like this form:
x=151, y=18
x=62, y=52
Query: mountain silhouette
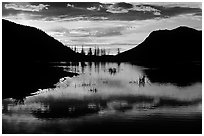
x=173, y=56
x=27, y=52
x=167, y=46
x=31, y=44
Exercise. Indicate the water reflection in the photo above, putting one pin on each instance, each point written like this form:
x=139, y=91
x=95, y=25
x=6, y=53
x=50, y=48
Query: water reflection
x=72, y=108
x=180, y=75
x=114, y=93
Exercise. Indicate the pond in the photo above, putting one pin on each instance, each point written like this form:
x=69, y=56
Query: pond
x=109, y=98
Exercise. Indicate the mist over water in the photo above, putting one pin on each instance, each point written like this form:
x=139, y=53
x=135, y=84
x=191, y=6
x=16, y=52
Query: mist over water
x=107, y=98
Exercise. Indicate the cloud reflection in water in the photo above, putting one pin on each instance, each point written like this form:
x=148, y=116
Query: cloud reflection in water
x=72, y=103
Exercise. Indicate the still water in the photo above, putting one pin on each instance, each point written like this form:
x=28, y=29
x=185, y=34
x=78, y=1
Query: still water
x=106, y=98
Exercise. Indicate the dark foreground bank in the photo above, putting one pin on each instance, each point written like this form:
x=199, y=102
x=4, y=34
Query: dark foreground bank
x=22, y=79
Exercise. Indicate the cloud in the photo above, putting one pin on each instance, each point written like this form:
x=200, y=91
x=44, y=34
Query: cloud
x=94, y=8
x=177, y=4
x=198, y=14
x=126, y=7
x=91, y=11
x=117, y=10
x=144, y=8
x=23, y=17
x=70, y=5
x=106, y=32
x=89, y=32
x=78, y=18
x=26, y=7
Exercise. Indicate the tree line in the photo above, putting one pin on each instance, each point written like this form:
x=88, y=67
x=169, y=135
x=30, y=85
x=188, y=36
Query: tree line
x=93, y=51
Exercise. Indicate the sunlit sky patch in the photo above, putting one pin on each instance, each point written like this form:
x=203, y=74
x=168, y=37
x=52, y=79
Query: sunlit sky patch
x=104, y=25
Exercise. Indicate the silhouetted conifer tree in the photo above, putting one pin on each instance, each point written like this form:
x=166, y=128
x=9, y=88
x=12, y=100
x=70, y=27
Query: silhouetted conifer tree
x=101, y=52
x=104, y=52
x=95, y=52
x=82, y=50
x=90, y=52
x=118, y=50
x=75, y=49
x=98, y=52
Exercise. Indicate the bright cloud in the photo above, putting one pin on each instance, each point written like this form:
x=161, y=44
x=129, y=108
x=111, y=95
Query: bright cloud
x=70, y=5
x=27, y=7
x=140, y=8
x=93, y=8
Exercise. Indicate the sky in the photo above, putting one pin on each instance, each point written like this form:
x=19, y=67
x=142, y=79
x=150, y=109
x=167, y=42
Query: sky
x=105, y=25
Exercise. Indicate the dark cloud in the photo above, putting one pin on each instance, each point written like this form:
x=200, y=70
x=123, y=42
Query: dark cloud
x=123, y=5
x=173, y=11
x=198, y=14
x=84, y=4
x=98, y=11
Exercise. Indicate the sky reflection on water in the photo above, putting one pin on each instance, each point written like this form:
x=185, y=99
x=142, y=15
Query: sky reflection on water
x=106, y=92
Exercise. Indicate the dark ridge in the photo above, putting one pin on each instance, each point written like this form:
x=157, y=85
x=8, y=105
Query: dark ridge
x=167, y=47
x=31, y=44
x=25, y=51
x=174, y=56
